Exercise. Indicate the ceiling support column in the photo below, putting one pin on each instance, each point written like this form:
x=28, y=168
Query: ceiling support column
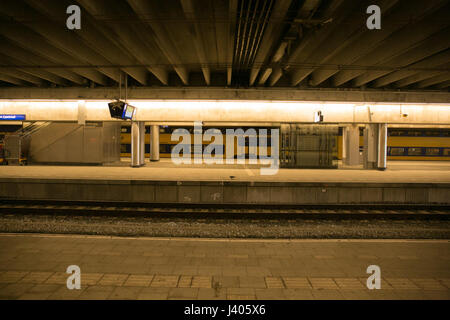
x=137, y=143
x=154, y=145
x=382, y=146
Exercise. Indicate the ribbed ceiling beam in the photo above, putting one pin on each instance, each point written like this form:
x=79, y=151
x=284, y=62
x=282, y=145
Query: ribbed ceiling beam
x=133, y=36
x=196, y=32
x=27, y=58
x=335, y=37
x=22, y=76
x=12, y=80
x=434, y=44
x=331, y=35
x=271, y=34
x=39, y=46
x=445, y=76
x=306, y=10
x=336, y=8
x=419, y=77
x=232, y=12
x=161, y=37
x=435, y=61
x=396, y=44
x=91, y=36
x=371, y=39
x=61, y=38
x=37, y=72
x=443, y=85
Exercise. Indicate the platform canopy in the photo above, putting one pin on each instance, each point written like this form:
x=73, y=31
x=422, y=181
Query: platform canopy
x=288, y=44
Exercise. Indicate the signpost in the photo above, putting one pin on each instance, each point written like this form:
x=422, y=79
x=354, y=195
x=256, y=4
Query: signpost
x=12, y=117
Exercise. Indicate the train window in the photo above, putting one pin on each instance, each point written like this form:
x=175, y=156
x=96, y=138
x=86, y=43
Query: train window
x=413, y=133
x=414, y=151
x=446, y=152
x=433, y=133
x=394, y=133
x=432, y=151
x=397, y=151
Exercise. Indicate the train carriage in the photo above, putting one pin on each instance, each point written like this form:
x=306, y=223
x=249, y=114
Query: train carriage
x=403, y=143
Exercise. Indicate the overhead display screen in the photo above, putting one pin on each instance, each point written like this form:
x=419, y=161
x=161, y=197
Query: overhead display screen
x=128, y=112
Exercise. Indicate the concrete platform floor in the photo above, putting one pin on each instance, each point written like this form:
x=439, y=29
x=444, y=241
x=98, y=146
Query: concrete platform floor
x=33, y=266
x=397, y=172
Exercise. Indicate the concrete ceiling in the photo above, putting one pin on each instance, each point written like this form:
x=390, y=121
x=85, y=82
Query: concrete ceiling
x=236, y=43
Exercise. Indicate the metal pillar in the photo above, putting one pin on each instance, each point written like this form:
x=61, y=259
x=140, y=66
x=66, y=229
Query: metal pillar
x=137, y=143
x=154, y=146
x=142, y=143
x=351, y=145
x=382, y=146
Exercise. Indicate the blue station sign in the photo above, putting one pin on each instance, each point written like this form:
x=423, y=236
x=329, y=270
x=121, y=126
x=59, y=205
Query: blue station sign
x=12, y=117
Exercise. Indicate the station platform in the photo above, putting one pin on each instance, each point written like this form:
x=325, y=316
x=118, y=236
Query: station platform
x=403, y=182
x=33, y=266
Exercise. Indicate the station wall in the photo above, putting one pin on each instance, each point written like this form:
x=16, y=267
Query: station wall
x=137, y=191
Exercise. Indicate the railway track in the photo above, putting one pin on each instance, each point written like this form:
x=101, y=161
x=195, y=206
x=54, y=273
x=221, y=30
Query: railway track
x=231, y=221
x=228, y=211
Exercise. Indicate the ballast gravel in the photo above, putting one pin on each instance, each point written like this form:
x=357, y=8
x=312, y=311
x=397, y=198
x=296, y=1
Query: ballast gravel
x=214, y=227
